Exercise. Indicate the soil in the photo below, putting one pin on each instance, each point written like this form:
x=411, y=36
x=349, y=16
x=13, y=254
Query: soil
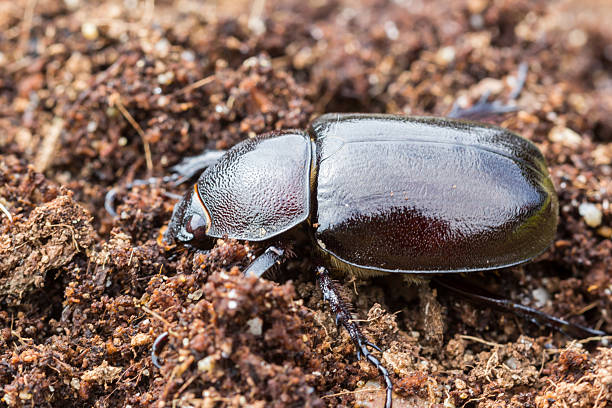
x=96, y=95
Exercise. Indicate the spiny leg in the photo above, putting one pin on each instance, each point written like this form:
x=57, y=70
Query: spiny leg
x=343, y=317
x=187, y=169
x=477, y=294
x=483, y=108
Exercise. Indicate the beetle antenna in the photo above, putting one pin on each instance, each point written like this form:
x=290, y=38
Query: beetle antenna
x=343, y=317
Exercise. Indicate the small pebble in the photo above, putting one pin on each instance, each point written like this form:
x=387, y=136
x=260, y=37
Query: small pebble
x=207, y=364
x=512, y=363
x=445, y=55
x=566, y=136
x=605, y=232
x=166, y=78
x=591, y=214
x=541, y=296
x=75, y=383
x=162, y=47
x=255, y=326
x=89, y=31
x=391, y=30
x=72, y=4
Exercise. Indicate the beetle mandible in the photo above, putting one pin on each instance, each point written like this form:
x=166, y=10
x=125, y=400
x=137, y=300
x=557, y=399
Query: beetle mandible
x=379, y=194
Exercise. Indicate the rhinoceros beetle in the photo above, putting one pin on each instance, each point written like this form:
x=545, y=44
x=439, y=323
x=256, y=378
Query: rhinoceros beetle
x=378, y=194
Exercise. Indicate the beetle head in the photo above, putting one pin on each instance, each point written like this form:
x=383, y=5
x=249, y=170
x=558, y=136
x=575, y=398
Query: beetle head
x=190, y=222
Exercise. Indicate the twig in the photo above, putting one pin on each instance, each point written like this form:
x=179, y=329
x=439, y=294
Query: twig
x=354, y=392
x=185, y=386
x=375, y=318
x=585, y=309
x=101, y=77
x=49, y=145
x=147, y=15
x=595, y=338
x=198, y=84
x=6, y=212
x=479, y=340
x=156, y=315
x=26, y=27
x=115, y=100
x=255, y=22
x=476, y=399
x=72, y=231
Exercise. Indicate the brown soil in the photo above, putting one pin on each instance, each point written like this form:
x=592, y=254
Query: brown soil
x=93, y=96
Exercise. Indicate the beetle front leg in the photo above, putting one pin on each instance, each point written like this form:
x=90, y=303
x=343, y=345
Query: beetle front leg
x=343, y=317
x=271, y=257
x=189, y=167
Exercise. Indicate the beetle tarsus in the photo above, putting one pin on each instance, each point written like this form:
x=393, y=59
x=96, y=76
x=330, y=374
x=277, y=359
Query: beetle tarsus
x=343, y=317
x=158, y=345
x=374, y=346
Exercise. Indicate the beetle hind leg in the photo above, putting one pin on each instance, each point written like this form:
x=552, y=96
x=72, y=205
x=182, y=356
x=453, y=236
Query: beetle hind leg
x=485, y=108
x=343, y=317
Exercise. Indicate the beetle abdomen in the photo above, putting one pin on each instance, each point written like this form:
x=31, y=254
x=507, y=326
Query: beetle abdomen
x=429, y=195
x=259, y=188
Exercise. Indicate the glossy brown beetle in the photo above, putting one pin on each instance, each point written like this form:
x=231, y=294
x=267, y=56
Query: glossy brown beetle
x=379, y=194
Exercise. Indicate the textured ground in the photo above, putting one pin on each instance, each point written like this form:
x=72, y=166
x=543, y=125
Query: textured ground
x=93, y=96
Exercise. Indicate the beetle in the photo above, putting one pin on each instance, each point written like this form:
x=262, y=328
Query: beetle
x=378, y=194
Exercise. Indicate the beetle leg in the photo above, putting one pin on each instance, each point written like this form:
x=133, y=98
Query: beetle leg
x=338, y=307
x=157, y=347
x=109, y=199
x=271, y=257
x=374, y=346
x=483, y=108
x=568, y=328
x=189, y=167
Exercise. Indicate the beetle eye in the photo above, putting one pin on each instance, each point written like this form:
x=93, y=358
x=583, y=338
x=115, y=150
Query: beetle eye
x=197, y=226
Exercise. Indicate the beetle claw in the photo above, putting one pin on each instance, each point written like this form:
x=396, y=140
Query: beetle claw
x=374, y=346
x=158, y=345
